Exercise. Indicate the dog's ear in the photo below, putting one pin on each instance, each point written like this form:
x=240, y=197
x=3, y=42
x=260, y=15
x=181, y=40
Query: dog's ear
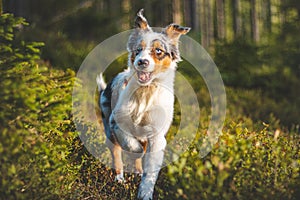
x=174, y=31
x=141, y=22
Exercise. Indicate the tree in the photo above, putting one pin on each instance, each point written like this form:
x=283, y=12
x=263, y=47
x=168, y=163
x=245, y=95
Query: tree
x=207, y=26
x=204, y=25
x=237, y=21
x=254, y=21
x=126, y=7
x=187, y=12
x=220, y=9
x=1, y=7
x=177, y=13
x=210, y=22
x=266, y=12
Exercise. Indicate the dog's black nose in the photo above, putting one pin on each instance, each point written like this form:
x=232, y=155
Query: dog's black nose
x=143, y=63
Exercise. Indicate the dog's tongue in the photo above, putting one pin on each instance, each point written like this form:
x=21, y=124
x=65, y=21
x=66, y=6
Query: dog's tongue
x=144, y=76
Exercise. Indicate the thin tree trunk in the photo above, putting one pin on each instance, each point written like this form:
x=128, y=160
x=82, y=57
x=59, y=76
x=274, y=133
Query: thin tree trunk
x=207, y=28
x=220, y=8
x=191, y=15
x=1, y=7
x=254, y=21
x=177, y=14
x=204, y=25
x=283, y=13
x=237, y=24
x=210, y=23
x=196, y=15
x=187, y=13
x=126, y=7
x=267, y=15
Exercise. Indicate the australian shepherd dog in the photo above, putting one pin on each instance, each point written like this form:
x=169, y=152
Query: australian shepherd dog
x=137, y=105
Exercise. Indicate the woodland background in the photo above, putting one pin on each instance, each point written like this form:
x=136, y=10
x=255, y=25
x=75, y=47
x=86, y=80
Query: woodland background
x=254, y=43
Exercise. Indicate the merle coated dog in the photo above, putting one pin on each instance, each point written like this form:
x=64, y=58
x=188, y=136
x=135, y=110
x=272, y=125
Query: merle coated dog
x=137, y=105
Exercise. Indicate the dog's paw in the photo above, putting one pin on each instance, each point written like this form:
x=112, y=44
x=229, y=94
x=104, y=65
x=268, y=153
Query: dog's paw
x=119, y=178
x=145, y=191
x=134, y=146
x=139, y=173
x=144, y=195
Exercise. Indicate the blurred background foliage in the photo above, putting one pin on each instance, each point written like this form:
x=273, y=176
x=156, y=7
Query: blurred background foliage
x=256, y=46
x=254, y=43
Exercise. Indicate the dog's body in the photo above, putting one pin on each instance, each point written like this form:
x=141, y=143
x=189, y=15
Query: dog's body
x=137, y=105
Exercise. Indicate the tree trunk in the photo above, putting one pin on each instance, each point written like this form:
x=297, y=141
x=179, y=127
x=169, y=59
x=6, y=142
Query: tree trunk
x=282, y=13
x=126, y=7
x=220, y=9
x=196, y=15
x=254, y=21
x=177, y=14
x=237, y=24
x=187, y=13
x=267, y=15
x=207, y=27
x=210, y=23
x=1, y=7
x=204, y=25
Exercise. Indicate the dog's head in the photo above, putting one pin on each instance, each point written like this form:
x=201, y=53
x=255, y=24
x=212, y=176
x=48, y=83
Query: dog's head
x=152, y=53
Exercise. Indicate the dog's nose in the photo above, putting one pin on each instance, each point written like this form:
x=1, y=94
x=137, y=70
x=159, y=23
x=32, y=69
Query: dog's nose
x=143, y=63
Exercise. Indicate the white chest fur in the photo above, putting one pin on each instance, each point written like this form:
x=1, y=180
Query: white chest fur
x=145, y=111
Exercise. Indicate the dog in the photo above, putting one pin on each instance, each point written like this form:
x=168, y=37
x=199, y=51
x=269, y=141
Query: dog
x=137, y=105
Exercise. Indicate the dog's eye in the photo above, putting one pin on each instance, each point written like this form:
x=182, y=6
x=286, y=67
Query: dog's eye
x=138, y=50
x=158, y=51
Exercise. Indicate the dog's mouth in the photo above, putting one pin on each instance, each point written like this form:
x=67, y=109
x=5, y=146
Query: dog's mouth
x=144, y=77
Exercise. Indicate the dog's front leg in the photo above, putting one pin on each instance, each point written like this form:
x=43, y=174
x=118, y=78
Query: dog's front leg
x=120, y=125
x=152, y=164
x=117, y=162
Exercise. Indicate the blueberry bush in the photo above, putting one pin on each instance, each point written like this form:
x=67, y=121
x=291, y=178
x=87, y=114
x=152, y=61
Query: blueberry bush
x=42, y=156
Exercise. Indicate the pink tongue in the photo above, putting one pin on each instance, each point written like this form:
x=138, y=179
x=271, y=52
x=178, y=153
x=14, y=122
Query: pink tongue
x=143, y=76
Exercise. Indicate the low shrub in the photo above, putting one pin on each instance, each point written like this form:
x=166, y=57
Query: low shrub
x=36, y=130
x=261, y=163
